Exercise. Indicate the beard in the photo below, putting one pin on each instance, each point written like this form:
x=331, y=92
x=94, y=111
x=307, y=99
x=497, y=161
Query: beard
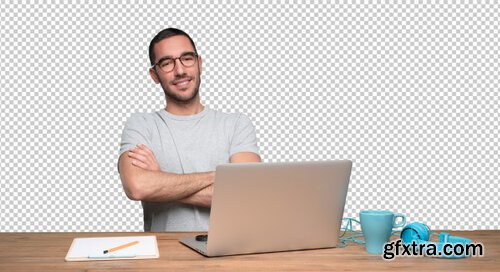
x=178, y=98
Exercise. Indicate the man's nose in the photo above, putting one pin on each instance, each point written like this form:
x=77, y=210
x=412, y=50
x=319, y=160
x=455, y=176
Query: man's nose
x=179, y=67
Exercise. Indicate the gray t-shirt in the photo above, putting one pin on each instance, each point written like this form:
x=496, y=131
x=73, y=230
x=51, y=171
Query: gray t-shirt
x=184, y=145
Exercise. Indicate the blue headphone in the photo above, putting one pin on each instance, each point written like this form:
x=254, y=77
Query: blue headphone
x=421, y=234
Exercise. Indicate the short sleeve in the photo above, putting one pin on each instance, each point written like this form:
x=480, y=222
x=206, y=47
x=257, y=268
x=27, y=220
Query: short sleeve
x=244, y=138
x=135, y=132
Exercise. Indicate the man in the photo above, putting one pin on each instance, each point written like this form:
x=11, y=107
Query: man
x=167, y=158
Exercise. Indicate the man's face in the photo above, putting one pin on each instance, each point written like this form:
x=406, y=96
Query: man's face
x=181, y=84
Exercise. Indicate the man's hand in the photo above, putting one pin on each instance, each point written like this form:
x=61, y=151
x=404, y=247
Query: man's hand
x=144, y=158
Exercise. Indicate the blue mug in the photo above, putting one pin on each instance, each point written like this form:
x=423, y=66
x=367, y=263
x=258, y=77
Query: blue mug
x=377, y=228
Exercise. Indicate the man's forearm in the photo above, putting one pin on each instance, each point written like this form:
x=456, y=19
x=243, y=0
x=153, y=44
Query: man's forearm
x=142, y=181
x=164, y=186
x=157, y=186
x=204, y=197
x=201, y=198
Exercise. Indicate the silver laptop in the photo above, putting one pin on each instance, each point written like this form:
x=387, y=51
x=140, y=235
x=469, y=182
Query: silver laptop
x=269, y=207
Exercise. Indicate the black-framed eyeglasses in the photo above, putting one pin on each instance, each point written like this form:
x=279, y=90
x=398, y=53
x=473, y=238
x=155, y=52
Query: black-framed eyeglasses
x=168, y=64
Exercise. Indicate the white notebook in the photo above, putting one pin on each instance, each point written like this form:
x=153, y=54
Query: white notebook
x=92, y=249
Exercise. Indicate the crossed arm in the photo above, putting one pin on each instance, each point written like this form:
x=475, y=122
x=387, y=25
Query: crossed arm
x=142, y=179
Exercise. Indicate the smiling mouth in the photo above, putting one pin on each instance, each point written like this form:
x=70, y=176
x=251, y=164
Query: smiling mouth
x=182, y=82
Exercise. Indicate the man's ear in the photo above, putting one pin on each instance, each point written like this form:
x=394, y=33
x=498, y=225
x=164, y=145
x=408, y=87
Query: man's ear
x=154, y=75
x=199, y=63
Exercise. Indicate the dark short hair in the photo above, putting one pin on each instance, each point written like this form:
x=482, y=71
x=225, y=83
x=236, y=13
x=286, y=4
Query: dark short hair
x=166, y=33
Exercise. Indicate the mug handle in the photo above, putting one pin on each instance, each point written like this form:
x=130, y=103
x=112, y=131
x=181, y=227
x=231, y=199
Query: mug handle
x=403, y=221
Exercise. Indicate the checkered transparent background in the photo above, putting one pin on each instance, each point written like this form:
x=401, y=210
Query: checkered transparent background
x=409, y=92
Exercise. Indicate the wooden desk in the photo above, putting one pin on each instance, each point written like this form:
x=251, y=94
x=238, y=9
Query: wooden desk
x=46, y=252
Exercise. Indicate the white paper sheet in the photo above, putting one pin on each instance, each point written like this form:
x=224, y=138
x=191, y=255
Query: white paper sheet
x=83, y=248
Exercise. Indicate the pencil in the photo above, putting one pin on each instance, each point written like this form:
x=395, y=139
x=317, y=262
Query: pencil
x=120, y=247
